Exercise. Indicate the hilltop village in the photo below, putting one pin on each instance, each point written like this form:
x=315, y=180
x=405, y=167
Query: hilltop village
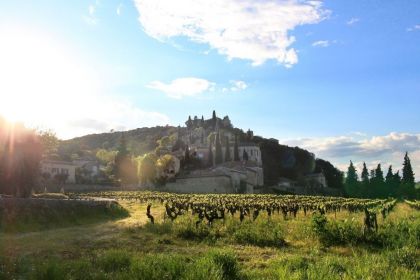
x=214, y=159
x=204, y=156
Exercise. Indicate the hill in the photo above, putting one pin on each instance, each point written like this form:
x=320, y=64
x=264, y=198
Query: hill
x=278, y=160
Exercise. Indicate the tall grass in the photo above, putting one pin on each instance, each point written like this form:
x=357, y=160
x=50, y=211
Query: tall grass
x=120, y=264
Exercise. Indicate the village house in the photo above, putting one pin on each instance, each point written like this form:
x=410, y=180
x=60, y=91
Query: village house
x=56, y=167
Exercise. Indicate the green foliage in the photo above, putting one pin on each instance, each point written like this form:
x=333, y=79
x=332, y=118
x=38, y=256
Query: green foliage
x=343, y=232
x=20, y=156
x=114, y=261
x=125, y=169
x=105, y=156
x=376, y=186
x=147, y=168
x=41, y=214
x=333, y=176
x=121, y=264
x=262, y=234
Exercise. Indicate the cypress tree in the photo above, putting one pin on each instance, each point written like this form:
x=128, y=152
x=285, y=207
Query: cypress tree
x=214, y=119
x=377, y=183
x=397, y=183
x=389, y=176
x=219, y=154
x=389, y=182
x=365, y=181
x=352, y=180
x=124, y=170
x=210, y=158
x=236, y=149
x=365, y=174
x=227, y=151
x=352, y=177
x=245, y=156
x=408, y=174
x=379, y=174
x=408, y=182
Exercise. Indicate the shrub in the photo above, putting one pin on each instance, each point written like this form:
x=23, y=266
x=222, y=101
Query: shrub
x=262, y=234
x=115, y=261
x=158, y=267
x=406, y=257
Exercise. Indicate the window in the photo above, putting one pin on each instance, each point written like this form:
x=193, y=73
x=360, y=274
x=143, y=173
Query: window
x=54, y=170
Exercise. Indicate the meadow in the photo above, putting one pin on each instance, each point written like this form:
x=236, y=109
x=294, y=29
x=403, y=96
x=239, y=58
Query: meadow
x=325, y=238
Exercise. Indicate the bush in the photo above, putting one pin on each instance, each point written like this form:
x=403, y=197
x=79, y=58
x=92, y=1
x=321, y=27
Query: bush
x=406, y=257
x=114, y=261
x=262, y=234
x=393, y=235
x=158, y=267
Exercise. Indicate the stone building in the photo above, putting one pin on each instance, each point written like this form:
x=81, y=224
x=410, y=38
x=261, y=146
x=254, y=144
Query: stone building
x=55, y=167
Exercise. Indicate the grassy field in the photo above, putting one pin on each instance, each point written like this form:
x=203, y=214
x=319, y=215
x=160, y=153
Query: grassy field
x=132, y=248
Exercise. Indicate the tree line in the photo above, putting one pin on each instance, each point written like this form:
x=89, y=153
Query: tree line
x=375, y=184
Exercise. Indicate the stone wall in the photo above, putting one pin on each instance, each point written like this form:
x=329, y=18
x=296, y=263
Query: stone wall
x=88, y=188
x=203, y=184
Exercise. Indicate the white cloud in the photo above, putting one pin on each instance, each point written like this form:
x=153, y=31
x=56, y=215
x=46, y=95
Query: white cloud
x=183, y=87
x=321, y=43
x=238, y=85
x=352, y=21
x=387, y=149
x=245, y=29
x=119, y=9
x=414, y=28
x=91, y=18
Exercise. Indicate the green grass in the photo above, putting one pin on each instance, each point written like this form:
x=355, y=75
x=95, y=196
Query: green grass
x=132, y=248
x=40, y=215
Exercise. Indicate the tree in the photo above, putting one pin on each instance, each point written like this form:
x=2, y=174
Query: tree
x=365, y=175
x=397, y=183
x=333, y=176
x=219, y=153
x=125, y=170
x=105, y=156
x=227, y=150
x=214, y=120
x=379, y=174
x=377, y=183
x=389, y=182
x=49, y=142
x=186, y=156
x=210, y=157
x=408, y=182
x=20, y=156
x=365, y=184
x=236, y=149
x=147, y=168
x=352, y=181
x=245, y=156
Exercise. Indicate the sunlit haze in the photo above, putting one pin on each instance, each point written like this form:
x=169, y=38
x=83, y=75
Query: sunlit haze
x=338, y=78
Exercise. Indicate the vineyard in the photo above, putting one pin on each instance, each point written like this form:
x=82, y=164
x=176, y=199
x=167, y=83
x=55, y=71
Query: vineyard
x=225, y=236
x=211, y=207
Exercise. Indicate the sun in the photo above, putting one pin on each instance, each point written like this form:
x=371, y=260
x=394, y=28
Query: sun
x=40, y=79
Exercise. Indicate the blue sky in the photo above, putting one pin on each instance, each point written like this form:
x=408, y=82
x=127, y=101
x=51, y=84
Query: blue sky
x=340, y=78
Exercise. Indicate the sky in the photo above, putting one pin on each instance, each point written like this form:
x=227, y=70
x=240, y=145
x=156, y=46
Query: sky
x=339, y=78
